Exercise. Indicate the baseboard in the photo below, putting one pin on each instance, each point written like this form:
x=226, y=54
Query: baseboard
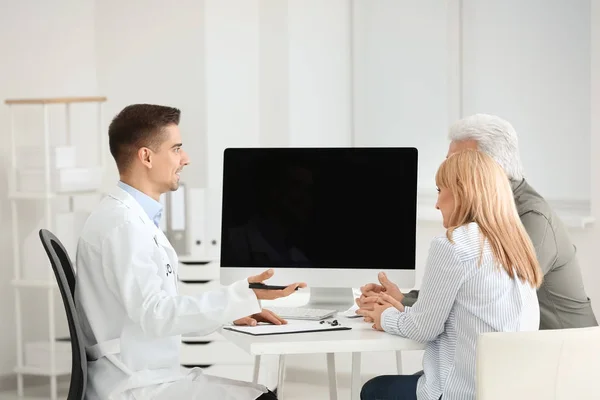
x=9, y=382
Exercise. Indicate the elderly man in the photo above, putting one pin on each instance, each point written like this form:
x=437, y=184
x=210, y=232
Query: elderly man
x=563, y=301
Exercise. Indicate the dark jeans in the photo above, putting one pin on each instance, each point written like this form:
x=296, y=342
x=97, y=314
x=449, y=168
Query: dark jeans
x=391, y=387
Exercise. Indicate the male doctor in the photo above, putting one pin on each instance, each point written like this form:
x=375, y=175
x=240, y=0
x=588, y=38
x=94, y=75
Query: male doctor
x=126, y=290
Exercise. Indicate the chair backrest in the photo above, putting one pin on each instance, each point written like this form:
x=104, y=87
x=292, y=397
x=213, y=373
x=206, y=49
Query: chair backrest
x=65, y=277
x=550, y=364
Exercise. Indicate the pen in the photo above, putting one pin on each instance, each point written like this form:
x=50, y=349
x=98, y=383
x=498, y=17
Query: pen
x=262, y=286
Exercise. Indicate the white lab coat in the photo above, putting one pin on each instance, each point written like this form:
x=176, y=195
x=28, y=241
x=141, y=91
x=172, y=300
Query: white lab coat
x=132, y=317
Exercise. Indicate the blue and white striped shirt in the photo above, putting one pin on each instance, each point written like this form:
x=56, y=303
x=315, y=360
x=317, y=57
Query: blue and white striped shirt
x=460, y=299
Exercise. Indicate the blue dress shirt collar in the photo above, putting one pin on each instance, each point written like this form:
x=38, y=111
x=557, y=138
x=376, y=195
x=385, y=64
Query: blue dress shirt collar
x=152, y=207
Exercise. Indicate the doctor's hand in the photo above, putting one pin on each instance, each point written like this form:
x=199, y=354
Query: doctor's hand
x=374, y=315
x=263, y=316
x=263, y=294
x=373, y=289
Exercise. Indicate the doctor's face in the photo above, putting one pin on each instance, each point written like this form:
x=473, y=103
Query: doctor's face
x=168, y=161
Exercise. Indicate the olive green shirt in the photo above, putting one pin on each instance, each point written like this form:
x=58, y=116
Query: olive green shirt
x=563, y=301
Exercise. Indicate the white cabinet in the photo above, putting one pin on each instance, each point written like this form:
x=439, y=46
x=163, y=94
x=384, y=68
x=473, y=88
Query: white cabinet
x=195, y=287
x=211, y=352
x=194, y=272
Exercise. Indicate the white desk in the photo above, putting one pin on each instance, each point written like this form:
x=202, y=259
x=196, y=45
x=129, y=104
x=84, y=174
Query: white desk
x=362, y=337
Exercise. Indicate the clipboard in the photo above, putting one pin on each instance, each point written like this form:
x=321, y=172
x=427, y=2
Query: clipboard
x=301, y=327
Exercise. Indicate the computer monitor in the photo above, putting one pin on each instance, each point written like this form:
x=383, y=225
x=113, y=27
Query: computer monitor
x=330, y=217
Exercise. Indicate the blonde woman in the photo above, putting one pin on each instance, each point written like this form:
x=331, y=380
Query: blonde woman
x=480, y=277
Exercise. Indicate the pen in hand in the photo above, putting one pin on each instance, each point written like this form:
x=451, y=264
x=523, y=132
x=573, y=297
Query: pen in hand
x=258, y=285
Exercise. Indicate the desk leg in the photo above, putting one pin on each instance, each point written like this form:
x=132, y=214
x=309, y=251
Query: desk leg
x=399, y=362
x=356, y=383
x=332, y=376
x=281, y=377
x=256, y=369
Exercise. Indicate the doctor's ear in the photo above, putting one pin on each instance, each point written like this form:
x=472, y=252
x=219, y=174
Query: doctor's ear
x=145, y=156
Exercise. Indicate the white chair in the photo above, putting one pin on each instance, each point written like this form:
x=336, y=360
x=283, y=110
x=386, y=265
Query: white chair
x=552, y=364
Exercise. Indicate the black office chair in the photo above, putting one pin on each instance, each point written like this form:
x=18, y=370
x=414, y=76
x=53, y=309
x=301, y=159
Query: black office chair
x=65, y=276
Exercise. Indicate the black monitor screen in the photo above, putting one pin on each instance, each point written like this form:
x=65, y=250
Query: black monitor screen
x=319, y=208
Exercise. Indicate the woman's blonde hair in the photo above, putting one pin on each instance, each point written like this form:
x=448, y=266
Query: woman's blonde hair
x=482, y=194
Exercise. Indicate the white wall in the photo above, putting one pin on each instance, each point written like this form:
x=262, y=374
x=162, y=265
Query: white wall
x=280, y=78
x=401, y=79
x=232, y=92
x=47, y=51
x=319, y=73
x=149, y=53
x=587, y=240
x=529, y=61
x=274, y=101
x=525, y=61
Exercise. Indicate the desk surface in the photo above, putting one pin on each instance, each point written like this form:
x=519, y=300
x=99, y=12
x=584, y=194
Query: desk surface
x=362, y=337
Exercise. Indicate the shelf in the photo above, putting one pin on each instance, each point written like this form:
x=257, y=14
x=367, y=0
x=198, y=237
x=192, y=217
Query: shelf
x=42, y=371
x=57, y=100
x=574, y=214
x=211, y=337
x=44, y=195
x=199, y=261
x=34, y=283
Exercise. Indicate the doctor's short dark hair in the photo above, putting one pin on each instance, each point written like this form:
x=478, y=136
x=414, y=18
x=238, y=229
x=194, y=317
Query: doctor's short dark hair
x=137, y=126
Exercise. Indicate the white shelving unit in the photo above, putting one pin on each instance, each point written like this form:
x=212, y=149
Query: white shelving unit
x=17, y=197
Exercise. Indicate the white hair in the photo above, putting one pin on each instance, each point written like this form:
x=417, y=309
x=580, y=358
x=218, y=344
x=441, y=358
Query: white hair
x=495, y=137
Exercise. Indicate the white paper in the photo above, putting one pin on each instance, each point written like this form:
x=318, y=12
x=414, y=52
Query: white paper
x=350, y=313
x=268, y=329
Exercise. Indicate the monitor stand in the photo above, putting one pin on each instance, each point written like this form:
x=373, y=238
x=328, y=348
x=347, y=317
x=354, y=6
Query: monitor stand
x=339, y=299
